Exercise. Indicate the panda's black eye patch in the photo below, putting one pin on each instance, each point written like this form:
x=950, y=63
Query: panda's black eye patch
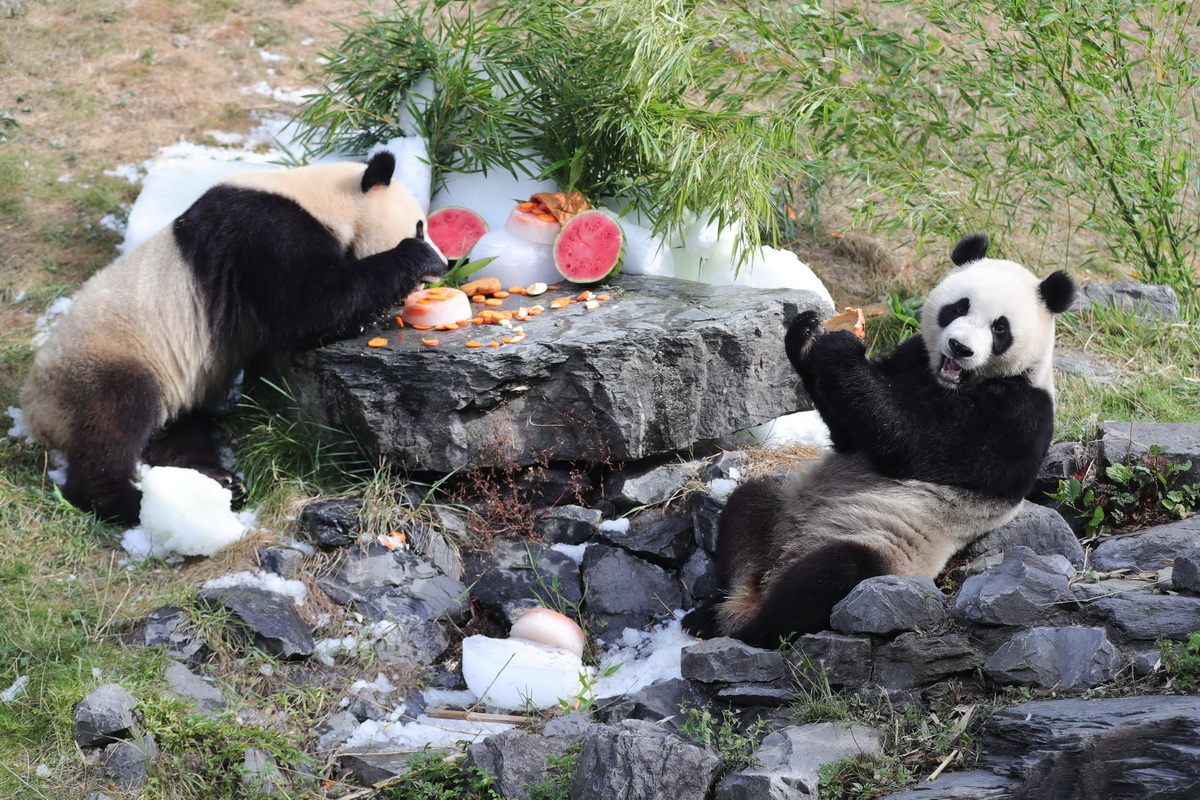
x=953, y=311
x=1002, y=337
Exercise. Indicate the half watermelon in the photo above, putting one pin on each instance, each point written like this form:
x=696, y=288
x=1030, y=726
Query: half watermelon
x=590, y=247
x=455, y=230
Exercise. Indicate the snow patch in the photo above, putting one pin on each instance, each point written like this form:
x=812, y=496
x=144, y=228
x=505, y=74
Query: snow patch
x=267, y=581
x=15, y=690
x=184, y=513
x=643, y=658
x=615, y=525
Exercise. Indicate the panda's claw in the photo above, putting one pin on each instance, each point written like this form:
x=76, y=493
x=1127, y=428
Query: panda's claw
x=802, y=332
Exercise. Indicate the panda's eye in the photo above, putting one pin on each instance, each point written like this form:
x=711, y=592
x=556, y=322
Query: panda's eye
x=1000, y=326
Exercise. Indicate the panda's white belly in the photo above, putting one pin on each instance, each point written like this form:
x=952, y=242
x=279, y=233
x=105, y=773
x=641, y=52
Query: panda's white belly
x=915, y=525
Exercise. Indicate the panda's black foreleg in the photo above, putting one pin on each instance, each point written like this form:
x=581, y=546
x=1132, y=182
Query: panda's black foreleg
x=191, y=441
x=801, y=599
x=115, y=410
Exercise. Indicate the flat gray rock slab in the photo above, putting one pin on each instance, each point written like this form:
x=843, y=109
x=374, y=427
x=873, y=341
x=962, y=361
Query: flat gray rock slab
x=638, y=760
x=1121, y=441
x=664, y=364
x=1152, y=549
x=1143, y=299
x=790, y=761
x=1056, y=657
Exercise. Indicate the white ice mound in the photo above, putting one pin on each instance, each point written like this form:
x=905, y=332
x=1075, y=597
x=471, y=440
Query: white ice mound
x=518, y=261
x=513, y=674
x=185, y=512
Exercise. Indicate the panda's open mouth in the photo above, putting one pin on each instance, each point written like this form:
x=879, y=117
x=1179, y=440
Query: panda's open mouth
x=951, y=372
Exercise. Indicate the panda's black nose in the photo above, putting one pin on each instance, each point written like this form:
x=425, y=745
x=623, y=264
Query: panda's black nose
x=960, y=350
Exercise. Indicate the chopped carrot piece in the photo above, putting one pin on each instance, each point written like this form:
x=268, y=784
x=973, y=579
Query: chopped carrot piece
x=525, y=206
x=493, y=302
x=546, y=218
x=423, y=327
x=477, y=298
x=378, y=341
x=533, y=312
x=520, y=337
x=501, y=295
x=558, y=303
x=516, y=290
x=553, y=287
x=474, y=343
x=462, y=323
x=584, y=295
x=429, y=342
x=477, y=321
x=604, y=297
x=400, y=321
x=506, y=339
x=493, y=344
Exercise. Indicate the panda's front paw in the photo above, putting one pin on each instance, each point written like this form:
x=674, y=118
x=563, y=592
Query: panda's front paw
x=420, y=258
x=841, y=343
x=801, y=334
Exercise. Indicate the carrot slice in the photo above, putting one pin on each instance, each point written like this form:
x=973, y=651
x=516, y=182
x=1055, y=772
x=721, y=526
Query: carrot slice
x=477, y=298
x=604, y=297
x=474, y=343
x=493, y=344
x=500, y=295
x=584, y=295
x=429, y=342
x=423, y=327
x=378, y=341
x=493, y=302
x=516, y=290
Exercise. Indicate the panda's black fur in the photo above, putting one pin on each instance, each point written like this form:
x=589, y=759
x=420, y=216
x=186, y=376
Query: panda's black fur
x=264, y=263
x=933, y=445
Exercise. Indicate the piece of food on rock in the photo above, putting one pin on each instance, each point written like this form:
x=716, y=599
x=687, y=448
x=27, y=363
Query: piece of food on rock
x=590, y=247
x=438, y=306
x=849, y=320
x=549, y=627
x=482, y=286
x=455, y=230
x=541, y=218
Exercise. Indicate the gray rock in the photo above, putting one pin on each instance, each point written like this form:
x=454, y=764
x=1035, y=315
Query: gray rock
x=1082, y=365
x=665, y=702
x=698, y=579
x=705, y=511
x=1131, y=748
x=1186, y=573
x=570, y=726
x=1146, y=663
x=261, y=776
x=1144, y=617
x=330, y=524
x=381, y=584
x=729, y=464
x=413, y=641
x=1151, y=301
x=105, y=715
x=333, y=732
x=1025, y=589
x=517, y=759
x=624, y=588
x=127, y=763
x=96, y=796
x=912, y=661
x=372, y=763
x=638, y=760
x=282, y=561
x=665, y=364
x=189, y=686
x=270, y=620
x=1121, y=441
x=568, y=524
x=843, y=661
x=649, y=485
x=432, y=545
x=976, y=785
x=1056, y=658
x=756, y=695
x=660, y=538
x=167, y=627
x=1041, y=529
x=1150, y=549
x=515, y=575
x=791, y=760
x=726, y=660
x=1063, y=460
x=888, y=604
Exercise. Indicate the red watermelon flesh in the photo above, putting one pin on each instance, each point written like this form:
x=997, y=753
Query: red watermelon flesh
x=590, y=247
x=455, y=230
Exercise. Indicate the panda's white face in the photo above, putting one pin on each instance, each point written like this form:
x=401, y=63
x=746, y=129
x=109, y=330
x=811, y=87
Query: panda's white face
x=987, y=320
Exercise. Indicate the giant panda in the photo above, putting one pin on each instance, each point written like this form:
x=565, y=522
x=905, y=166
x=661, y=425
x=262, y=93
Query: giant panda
x=265, y=262
x=933, y=446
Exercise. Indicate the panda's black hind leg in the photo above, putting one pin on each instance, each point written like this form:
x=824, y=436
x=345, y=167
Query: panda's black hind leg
x=801, y=599
x=191, y=441
x=114, y=412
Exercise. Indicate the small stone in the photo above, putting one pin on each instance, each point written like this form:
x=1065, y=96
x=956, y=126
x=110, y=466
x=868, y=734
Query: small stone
x=389, y=584
x=517, y=759
x=270, y=619
x=516, y=575
x=166, y=627
x=660, y=538
x=261, y=776
x=729, y=465
x=127, y=763
x=912, y=661
x=413, y=641
x=104, y=716
x=1145, y=617
x=1026, y=588
x=282, y=561
x=666, y=702
x=189, y=686
x=726, y=660
x=434, y=545
x=624, y=590
x=180, y=40
x=1147, y=663
x=888, y=604
x=1186, y=573
x=1039, y=528
x=333, y=732
x=568, y=524
x=705, y=511
x=1055, y=658
x=844, y=661
x=756, y=694
x=330, y=524
x=638, y=760
x=790, y=761
x=698, y=579
x=569, y=726
x=650, y=485
x=974, y=785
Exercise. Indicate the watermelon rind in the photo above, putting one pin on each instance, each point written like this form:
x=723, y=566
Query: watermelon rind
x=584, y=250
x=455, y=230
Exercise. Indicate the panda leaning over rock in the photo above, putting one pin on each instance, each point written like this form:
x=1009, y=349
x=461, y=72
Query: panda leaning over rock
x=264, y=263
x=934, y=445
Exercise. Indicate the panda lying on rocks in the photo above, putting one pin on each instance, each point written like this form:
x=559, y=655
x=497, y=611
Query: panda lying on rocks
x=933, y=446
x=264, y=263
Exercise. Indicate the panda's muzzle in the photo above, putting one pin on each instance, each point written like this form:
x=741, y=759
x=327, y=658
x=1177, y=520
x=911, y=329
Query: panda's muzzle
x=950, y=373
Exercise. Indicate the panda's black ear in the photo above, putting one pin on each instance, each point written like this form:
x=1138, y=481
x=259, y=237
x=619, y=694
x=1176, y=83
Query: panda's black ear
x=379, y=171
x=971, y=247
x=1057, y=291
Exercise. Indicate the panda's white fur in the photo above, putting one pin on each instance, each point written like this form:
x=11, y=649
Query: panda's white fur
x=934, y=445
x=265, y=262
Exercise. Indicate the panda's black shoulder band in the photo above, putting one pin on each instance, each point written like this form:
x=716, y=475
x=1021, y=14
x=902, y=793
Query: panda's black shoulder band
x=379, y=170
x=1057, y=291
x=971, y=247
